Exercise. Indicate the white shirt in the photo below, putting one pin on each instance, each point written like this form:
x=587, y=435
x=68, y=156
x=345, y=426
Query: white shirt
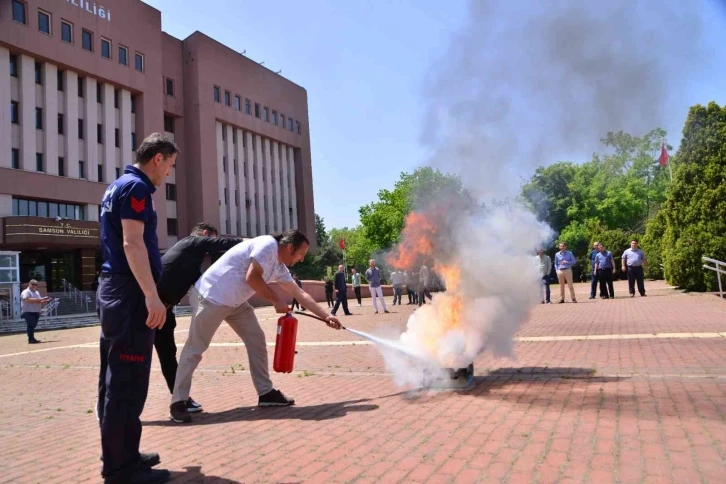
x=28, y=307
x=396, y=278
x=225, y=281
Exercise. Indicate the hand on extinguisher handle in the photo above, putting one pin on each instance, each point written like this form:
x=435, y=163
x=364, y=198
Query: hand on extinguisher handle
x=315, y=317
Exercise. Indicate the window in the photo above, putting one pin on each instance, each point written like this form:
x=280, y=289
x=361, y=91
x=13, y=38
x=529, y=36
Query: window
x=248, y=106
x=224, y=162
x=257, y=110
x=133, y=141
x=105, y=48
x=226, y=197
x=60, y=81
x=226, y=225
x=234, y=164
x=171, y=227
x=297, y=127
x=217, y=98
x=133, y=104
x=99, y=133
x=227, y=98
x=38, y=118
x=115, y=98
x=60, y=123
x=87, y=40
x=39, y=166
x=289, y=124
x=116, y=137
x=99, y=92
x=274, y=118
x=13, y=65
x=38, y=73
x=80, y=129
x=61, y=166
x=42, y=209
x=118, y=173
x=15, y=158
x=168, y=124
x=169, y=87
x=123, y=55
x=66, y=32
x=100, y=173
x=44, y=22
x=82, y=169
x=139, y=62
x=80, y=86
x=266, y=115
x=19, y=12
x=237, y=103
x=236, y=196
x=14, y=112
x=171, y=191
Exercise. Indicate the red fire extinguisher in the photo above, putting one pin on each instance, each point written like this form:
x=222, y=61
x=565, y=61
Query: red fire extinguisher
x=285, y=344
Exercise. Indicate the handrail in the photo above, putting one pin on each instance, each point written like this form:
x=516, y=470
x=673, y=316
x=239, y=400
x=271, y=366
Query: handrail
x=717, y=269
x=76, y=294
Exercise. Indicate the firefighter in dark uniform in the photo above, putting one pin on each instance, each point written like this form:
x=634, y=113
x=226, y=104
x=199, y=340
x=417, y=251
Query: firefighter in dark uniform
x=181, y=268
x=130, y=310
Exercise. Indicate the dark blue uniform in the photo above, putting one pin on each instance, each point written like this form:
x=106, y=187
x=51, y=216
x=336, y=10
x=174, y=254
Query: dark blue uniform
x=126, y=341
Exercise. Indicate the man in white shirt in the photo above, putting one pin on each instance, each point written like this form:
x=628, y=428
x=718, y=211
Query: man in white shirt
x=224, y=291
x=397, y=281
x=31, y=304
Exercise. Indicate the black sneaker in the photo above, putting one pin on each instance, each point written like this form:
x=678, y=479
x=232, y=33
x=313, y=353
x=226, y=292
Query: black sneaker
x=274, y=398
x=193, y=407
x=178, y=412
x=149, y=460
x=141, y=476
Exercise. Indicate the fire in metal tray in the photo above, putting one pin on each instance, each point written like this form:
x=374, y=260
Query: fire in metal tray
x=450, y=379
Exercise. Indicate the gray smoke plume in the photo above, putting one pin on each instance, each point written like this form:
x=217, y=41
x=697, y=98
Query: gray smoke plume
x=528, y=81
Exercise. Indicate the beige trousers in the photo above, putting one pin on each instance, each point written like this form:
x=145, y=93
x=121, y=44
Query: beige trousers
x=565, y=276
x=204, y=324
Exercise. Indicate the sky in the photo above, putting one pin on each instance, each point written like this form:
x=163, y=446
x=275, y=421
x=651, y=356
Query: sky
x=369, y=67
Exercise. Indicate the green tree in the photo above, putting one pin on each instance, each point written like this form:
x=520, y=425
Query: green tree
x=383, y=220
x=548, y=193
x=652, y=245
x=695, y=210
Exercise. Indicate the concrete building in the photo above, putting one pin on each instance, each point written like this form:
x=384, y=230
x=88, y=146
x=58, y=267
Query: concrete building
x=82, y=84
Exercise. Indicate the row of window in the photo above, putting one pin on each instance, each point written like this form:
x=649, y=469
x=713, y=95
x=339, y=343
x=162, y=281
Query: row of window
x=260, y=112
x=40, y=166
x=39, y=124
x=46, y=208
x=45, y=25
x=61, y=83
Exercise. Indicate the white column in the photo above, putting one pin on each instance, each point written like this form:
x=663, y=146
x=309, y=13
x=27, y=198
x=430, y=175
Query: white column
x=27, y=112
x=50, y=113
x=285, y=188
x=221, y=176
x=90, y=122
x=71, y=95
x=239, y=153
x=251, y=186
x=6, y=204
x=293, y=190
x=231, y=179
x=92, y=212
x=270, y=212
x=260, y=185
x=109, y=134
x=125, y=133
x=276, y=192
x=5, y=123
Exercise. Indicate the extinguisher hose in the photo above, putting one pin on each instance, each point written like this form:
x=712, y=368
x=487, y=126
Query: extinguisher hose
x=314, y=317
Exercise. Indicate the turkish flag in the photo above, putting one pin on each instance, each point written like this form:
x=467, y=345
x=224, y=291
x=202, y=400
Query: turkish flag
x=663, y=155
x=342, y=244
x=138, y=206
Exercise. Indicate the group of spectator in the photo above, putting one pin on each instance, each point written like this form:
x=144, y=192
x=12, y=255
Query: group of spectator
x=633, y=263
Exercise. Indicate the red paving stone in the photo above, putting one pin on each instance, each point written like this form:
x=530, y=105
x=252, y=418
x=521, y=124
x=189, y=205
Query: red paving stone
x=606, y=410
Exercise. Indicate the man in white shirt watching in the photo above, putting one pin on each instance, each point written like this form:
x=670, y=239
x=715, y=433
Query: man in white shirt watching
x=224, y=291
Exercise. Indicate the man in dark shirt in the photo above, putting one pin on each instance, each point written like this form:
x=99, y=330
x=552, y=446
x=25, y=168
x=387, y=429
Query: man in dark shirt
x=341, y=292
x=130, y=310
x=181, y=268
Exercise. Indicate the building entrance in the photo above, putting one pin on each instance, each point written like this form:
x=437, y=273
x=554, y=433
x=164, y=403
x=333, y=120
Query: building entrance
x=51, y=267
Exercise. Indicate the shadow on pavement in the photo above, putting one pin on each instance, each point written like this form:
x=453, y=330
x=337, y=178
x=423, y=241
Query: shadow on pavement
x=195, y=474
x=325, y=411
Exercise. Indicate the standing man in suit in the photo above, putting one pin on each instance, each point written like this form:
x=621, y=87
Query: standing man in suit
x=341, y=292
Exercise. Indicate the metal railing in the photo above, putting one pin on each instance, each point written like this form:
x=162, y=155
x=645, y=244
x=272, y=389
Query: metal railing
x=50, y=310
x=718, y=267
x=78, y=296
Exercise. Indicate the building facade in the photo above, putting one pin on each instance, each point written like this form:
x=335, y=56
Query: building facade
x=83, y=84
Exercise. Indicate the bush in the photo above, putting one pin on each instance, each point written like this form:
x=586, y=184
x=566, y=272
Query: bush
x=652, y=245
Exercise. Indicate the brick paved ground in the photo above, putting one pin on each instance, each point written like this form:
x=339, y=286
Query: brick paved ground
x=629, y=390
